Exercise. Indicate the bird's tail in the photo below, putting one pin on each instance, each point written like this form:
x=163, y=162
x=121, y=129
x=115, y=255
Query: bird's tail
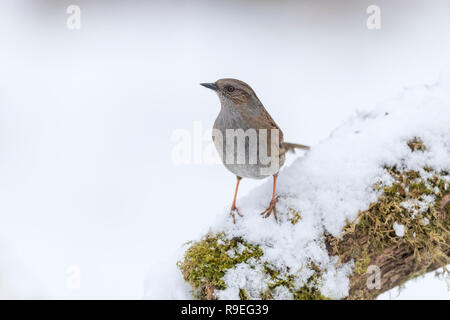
x=292, y=146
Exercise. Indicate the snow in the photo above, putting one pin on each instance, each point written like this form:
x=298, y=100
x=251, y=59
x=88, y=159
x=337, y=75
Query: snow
x=336, y=283
x=430, y=286
x=249, y=275
x=331, y=183
x=86, y=171
x=399, y=229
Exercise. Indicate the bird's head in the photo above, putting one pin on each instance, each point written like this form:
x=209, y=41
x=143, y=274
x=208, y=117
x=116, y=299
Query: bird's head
x=233, y=92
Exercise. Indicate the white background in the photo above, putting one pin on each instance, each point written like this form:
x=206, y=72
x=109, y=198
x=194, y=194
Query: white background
x=86, y=118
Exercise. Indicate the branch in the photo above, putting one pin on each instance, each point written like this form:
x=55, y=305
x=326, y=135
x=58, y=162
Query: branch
x=370, y=203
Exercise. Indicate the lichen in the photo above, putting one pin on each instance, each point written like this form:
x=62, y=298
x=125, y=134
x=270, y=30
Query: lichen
x=206, y=262
x=362, y=263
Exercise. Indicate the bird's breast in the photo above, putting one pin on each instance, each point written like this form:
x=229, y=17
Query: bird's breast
x=244, y=151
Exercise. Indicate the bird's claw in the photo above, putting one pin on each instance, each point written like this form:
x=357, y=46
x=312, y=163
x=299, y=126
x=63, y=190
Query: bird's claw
x=272, y=208
x=233, y=214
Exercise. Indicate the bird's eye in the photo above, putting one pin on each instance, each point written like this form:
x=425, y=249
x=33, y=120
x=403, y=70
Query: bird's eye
x=230, y=89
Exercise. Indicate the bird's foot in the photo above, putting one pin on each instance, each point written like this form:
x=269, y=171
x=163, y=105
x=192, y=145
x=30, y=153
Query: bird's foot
x=233, y=213
x=272, y=208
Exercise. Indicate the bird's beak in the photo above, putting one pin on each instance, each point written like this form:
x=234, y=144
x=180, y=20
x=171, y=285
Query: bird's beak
x=211, y=86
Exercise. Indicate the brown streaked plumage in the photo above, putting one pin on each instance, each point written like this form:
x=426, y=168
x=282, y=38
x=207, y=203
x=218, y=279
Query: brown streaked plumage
x=242, y=110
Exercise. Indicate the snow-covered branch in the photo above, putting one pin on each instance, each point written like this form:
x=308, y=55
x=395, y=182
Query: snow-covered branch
x=362, y=212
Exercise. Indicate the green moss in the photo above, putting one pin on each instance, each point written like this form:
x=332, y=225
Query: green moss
x=267, y=295
x=295, y=216
x=377, y=222
x=399, y=202
x=309, y=293
x=310, y=290
x=276, y=278
x=416, y=144
x=394, y=190
x=243, y=295
x=418, y=189
x=207, y=261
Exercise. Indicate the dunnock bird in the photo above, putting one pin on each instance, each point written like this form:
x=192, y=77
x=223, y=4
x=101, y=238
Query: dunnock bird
x=240, y=111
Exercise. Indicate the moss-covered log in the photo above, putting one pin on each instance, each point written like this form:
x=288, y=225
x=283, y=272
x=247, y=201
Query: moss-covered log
x=404, y=234
x=371, y=239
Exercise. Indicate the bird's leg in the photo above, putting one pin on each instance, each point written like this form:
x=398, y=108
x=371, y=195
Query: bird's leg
x=234, y=209
x=272, y=207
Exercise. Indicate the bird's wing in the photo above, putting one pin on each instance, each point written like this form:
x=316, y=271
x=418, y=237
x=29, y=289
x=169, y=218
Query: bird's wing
x=266, y=122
